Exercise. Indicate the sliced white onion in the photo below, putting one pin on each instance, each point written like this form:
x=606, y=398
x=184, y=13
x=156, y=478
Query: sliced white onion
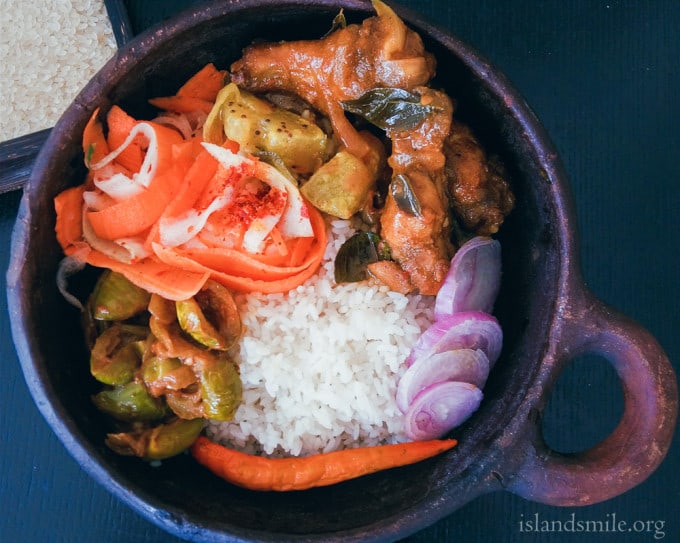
x=439, y=408
x=136, y=247
x=464, y=330
x=474, y=278
x=258, y=231
x=143, y=177
x=119, y=187
x=96, y=200
x=174, y=231
x=295, y=221
x=226, y=157
x=464, y=365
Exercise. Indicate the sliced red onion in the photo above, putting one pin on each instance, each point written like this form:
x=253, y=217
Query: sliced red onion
x=464, y=365
x=178, y=121
x=68, y=266
x=474, y=278
x=440, y=408
x=464, y=330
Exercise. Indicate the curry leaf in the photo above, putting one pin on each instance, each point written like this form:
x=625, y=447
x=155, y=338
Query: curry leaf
x=360, y=250
x=389, y=108
x=404, y=195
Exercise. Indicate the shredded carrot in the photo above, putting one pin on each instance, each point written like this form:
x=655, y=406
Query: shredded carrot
x=279, y=242
x=167, y=138
x=205, y=84
x=153, y=276
x=239, y=263
x=299, y=248
x=119, y=125
x=135, y=215
x=69, y=227
x=198, y=176
x=95, y=146
x=285, y=474
x=150, y=274
x=187, y=151
x=197, y=94
x=247, y=284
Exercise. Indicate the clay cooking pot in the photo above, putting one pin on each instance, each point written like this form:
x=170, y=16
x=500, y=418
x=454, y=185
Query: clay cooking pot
x=548, y=316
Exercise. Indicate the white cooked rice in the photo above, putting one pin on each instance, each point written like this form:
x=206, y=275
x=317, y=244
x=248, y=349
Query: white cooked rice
x=48, y=52
x=320, y=364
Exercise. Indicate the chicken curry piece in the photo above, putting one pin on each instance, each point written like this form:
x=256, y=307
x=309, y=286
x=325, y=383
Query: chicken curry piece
x=439, y=173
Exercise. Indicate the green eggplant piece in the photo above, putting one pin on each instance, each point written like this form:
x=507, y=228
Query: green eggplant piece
x=157, y=443
x=116, y=299
x=117, y=353
x=221, y=388
x=130, y=402
x=211, y=317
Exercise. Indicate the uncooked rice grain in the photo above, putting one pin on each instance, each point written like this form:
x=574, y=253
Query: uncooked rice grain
x=49, y=50
x=320, y=364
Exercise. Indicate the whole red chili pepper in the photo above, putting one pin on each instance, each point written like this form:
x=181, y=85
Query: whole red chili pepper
x=299, y=473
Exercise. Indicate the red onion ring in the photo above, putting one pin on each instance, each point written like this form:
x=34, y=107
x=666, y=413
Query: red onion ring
x=464, y=365
x=465, y=330
x=449, y=364
x=439, y=408
x=474, y=279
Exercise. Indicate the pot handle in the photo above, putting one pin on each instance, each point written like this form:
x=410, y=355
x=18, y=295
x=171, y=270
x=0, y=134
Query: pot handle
x=642, y=437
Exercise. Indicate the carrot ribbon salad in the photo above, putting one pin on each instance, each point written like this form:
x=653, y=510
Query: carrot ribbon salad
x=169, y=210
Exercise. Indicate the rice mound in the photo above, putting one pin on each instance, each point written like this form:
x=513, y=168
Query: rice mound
x=49, y=50
x=320, y=364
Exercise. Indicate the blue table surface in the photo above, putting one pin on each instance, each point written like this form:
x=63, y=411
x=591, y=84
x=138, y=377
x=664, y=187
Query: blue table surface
x=603, y=77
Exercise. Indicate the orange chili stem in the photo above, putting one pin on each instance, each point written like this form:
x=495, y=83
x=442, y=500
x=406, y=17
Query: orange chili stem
x=283, y=474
